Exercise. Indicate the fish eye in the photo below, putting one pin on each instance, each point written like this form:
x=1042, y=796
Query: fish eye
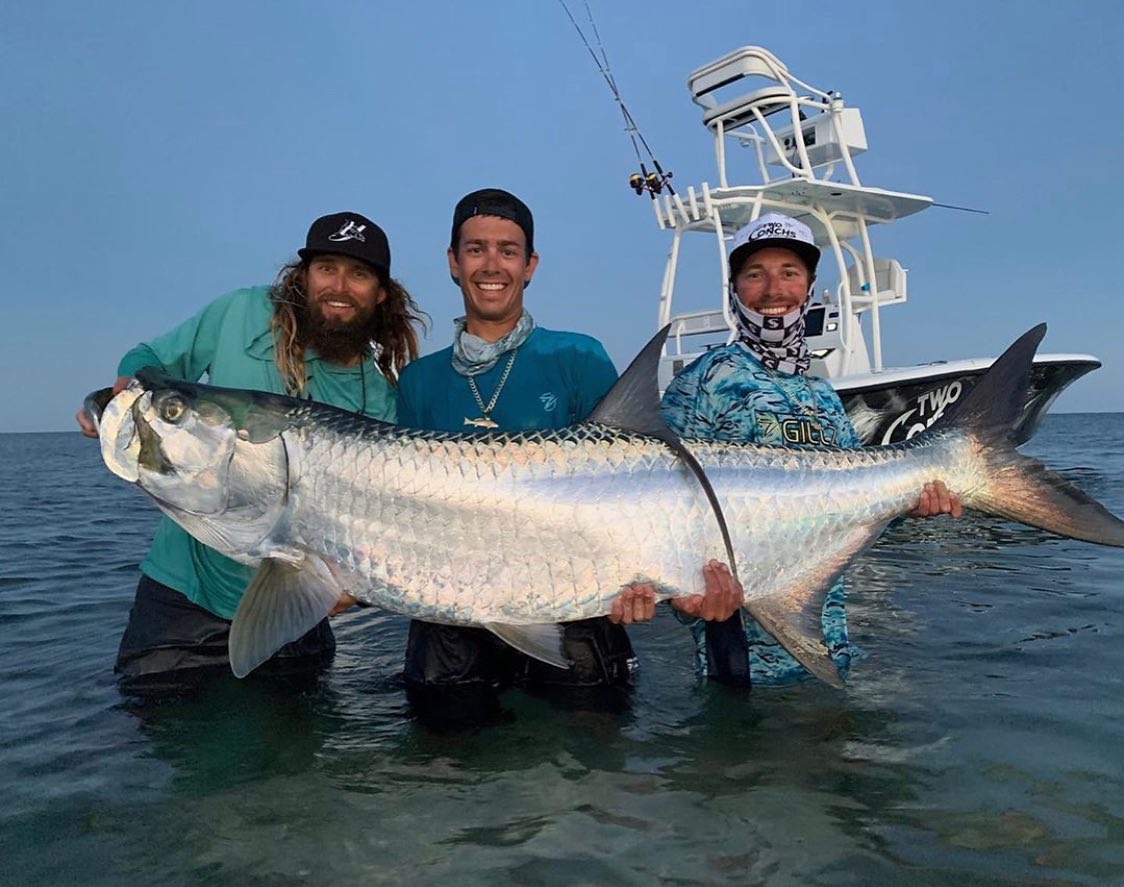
x=172, y=408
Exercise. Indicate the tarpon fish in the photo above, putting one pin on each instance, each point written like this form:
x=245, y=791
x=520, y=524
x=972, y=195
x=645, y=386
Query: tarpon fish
x=518, y=532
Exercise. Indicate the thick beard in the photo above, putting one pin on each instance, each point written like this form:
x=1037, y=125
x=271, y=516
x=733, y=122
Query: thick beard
x=336, y=341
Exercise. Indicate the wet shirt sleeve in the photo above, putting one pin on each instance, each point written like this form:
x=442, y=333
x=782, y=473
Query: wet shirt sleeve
x=685, y=406
x=597, y=376
x=704, y=401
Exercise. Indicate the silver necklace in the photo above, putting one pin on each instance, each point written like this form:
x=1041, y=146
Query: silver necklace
x=485, y=420
x=809, y=412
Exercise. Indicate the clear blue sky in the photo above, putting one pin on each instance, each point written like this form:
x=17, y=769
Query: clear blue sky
x=157, y=155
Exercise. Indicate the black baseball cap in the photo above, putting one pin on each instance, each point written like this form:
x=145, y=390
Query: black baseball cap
x=352, y=235
x=494, y=202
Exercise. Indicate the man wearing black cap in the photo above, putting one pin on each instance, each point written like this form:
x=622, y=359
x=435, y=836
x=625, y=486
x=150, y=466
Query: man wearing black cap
x=502, y=373
x=335, y=327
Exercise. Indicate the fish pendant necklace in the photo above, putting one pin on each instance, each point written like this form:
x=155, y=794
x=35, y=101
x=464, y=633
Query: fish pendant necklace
x=485, y=420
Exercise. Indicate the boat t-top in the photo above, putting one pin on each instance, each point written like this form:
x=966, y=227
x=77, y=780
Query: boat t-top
x=802, y=142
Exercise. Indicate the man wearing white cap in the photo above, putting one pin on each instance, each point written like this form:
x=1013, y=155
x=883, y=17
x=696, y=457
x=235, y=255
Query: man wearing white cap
x=757, y=390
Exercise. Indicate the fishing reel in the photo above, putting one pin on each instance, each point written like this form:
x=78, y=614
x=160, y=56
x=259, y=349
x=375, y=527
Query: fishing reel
x=650, y=182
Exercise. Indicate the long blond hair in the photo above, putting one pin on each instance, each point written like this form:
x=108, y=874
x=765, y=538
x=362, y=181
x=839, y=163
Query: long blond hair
x=393, y=335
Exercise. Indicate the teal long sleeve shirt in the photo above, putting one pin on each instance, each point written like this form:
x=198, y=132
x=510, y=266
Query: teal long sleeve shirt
x=230, y=342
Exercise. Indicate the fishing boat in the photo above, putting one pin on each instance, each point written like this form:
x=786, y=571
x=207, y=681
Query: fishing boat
x=798, y=144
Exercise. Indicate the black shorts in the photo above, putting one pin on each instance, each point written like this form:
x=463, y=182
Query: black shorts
x=454, y=675
x=600, y=654
x=170, y=644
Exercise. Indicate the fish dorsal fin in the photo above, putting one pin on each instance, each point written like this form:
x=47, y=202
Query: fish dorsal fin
x=633, y=404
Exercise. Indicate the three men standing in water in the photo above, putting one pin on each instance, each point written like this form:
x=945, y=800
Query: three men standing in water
x=337, y=328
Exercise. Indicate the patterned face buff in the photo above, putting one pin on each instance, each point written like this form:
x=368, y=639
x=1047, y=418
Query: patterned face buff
x=778, y=342
x=473, y=355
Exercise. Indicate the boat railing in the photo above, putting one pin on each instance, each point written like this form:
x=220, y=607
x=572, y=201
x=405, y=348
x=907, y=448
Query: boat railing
x=690, y=335
x=890, y=283
x=816, y=133
x=804, y=140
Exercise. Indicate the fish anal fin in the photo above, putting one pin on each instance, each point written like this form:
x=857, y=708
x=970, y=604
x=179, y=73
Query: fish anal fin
x=543, y=642
x=805, y=646
x=794, y=614
x=283, y=602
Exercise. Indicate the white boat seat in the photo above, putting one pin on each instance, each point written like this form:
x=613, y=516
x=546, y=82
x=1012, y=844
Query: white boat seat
x=739, y=111
x=748, y=61
x=890, y=284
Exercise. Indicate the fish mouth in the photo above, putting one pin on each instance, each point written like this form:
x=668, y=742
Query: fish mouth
x=117, y=431
x=95, y=404
x=154, y=438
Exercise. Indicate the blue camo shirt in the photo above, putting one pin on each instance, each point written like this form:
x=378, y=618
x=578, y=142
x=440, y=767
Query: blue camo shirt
x=728, y=395
x=556, y=380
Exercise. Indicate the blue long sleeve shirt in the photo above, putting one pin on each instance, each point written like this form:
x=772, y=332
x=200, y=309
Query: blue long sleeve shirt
x=728, y=395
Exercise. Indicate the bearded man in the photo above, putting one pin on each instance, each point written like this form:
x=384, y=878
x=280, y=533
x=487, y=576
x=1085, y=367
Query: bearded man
x=335, y=327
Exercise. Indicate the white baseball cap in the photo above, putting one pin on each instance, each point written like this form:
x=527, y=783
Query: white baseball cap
x=776, y=230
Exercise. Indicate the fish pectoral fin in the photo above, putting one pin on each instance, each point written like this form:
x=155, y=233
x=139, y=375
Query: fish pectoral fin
x=283, y=602
x=542, y=642
x=236, y=541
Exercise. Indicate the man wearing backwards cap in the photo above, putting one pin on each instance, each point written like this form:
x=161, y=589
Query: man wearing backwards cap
x=334, y=327
x=757, y=390
x=501, y=372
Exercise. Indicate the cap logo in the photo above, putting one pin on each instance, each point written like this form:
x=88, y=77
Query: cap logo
x=349, y=231
x=773, y=229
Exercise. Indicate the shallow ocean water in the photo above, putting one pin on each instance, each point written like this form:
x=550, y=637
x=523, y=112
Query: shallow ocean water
x=979, y=739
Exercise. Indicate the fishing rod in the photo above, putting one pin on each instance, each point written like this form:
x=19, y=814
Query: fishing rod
x=963, y=209
x=651, y=182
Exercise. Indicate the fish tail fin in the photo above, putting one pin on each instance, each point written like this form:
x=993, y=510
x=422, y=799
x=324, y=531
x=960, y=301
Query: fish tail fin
x=1012, y=485
x=1022, y=489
